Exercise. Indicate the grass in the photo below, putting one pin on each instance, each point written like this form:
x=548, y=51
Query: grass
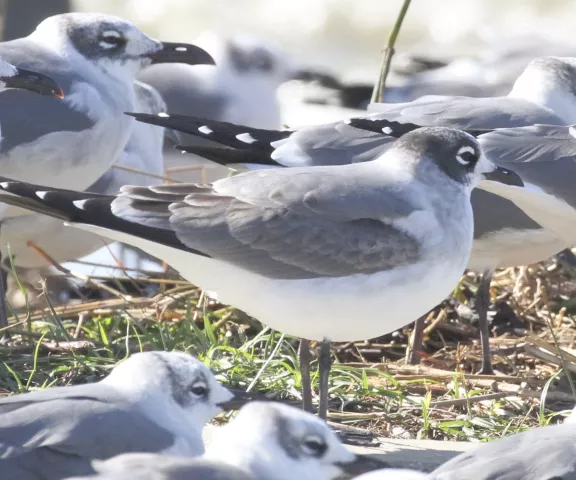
x=371, y=387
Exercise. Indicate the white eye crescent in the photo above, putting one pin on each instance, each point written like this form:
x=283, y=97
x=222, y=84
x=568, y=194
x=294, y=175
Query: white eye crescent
x=111, y=39
x=314, y=445
x=466, y=155
x=200, y=389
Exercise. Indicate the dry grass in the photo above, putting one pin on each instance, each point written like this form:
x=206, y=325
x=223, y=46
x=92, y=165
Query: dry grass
x=372, y=387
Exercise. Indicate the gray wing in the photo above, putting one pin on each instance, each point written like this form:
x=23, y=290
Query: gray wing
x=285, y=224
x=338, y=143
x=281, y=223
x=25, y=116
x=548, y=452
x=543, y=155
x=493, y=213
x=185, y=93
x=85, y=421
x=332, y=144
x=467, y=113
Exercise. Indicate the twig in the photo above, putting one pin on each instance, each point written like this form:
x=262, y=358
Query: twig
x=555, y=396
x=548, y=357
x=437, y=321
x=551, y=348
x=79, y=276
x=380, y=87
x=560, y=351
x=476, y=398
x=189, y=168
x=421, y=372
x=146, y=174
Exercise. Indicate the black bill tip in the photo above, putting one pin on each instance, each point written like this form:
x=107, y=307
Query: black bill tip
x=34, y=82
x=240, y=399
x=505, y=176
x=362, y=464
x=181, y=53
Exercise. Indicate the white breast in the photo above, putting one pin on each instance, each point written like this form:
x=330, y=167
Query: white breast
x=512, y=248
x=341, y=309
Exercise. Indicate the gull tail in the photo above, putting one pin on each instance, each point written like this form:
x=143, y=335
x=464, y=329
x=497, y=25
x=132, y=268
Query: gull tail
x=139, y=212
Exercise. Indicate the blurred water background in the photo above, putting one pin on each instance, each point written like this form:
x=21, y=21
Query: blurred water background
x=346, y=36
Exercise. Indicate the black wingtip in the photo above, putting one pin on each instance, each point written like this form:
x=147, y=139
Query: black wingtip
x=147, y=117
x=230, y=157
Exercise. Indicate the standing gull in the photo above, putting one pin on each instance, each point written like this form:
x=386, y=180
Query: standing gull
x=265, y=441
x=142, y=152
x=543, y=93
x=152, y=402
x=297, y=248
x=72, y=142
x=503, y=235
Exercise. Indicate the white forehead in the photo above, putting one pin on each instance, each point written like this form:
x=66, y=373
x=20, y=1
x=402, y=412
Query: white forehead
x=269, y=415
x=59, y=26
x=155, y=363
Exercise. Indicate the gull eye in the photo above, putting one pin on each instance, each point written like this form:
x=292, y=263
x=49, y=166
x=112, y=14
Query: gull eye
x=467, y=156
x=314, y=446
x=111, y=39
x=199, y=389
x=262, y=61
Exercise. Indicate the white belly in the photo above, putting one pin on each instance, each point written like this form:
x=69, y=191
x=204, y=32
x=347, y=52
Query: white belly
x=512, y=248
x=341, y=309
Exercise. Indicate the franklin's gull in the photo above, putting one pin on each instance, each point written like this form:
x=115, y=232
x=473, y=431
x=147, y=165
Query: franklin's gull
x=503, y=235
x=313, y=252
x=265, y=441
x=152, y=402
x=73, y=141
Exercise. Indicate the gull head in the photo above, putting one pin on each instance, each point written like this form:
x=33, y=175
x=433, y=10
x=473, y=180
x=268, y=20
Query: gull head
x=549, y=82
x=271, y=440
x=171, y=384
x=439, y=155
x=111, y=45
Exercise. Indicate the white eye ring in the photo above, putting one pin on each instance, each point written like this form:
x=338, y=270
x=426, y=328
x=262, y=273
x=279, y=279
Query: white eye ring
x=466, y=149
x=314, y=445
x=113, y=35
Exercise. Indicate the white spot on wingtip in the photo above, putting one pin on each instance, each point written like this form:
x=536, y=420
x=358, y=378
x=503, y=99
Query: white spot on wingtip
x=387, y=130
x=163, y=115
x=246, y=138
x=41, y=195
x=205, y=130
x=79, y=204
x=572, y=131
